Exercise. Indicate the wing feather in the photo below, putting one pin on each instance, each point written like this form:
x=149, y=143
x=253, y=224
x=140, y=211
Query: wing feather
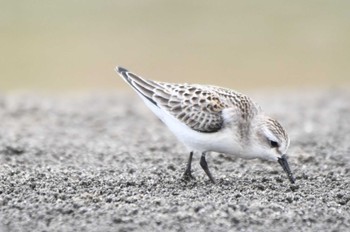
x=198, y=106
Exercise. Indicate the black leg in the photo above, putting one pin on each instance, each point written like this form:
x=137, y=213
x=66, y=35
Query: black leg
x=188, y=172
x=204, y=165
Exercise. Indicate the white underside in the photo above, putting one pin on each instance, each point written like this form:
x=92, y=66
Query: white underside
x=222, y=141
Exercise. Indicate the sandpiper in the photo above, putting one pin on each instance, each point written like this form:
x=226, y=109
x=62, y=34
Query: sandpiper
x=209, y=118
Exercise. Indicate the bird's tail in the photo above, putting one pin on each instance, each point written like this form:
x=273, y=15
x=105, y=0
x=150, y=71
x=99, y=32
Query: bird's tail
x=142, y=86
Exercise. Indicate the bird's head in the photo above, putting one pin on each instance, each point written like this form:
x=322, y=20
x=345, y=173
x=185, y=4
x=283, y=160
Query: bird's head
x=270, y=142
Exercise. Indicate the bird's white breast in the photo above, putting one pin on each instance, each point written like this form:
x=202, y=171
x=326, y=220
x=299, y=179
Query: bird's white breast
x=224, y=141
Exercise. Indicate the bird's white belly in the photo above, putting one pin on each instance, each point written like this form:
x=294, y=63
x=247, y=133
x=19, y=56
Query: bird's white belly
x=222, y=141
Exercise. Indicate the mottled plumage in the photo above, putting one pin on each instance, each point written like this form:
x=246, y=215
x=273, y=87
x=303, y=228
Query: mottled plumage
x=210, y=118
x=198, y=106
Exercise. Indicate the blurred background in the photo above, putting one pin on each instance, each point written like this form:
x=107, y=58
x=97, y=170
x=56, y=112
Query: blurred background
x=72, y=45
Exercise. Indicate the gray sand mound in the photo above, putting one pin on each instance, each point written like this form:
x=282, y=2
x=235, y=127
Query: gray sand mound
x=104, y=163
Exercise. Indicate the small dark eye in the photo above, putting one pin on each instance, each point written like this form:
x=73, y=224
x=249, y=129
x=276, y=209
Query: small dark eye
x=273, y=144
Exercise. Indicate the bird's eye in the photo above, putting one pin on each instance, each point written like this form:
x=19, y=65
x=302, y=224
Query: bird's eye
x=273, y=144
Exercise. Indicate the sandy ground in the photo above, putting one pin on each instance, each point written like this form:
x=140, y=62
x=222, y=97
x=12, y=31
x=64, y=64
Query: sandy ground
x=103, y=162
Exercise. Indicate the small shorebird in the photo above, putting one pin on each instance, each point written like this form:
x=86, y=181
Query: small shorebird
x=210, y=118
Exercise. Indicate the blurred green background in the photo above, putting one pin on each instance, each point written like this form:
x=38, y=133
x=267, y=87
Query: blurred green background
x=72, y=45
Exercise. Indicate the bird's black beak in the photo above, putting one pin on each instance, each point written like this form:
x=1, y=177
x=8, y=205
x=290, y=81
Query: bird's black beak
x=284, y=163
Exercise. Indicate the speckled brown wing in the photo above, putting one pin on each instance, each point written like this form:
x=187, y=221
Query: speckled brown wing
x=195, y=106
x=199, y=107
x=246, y=107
